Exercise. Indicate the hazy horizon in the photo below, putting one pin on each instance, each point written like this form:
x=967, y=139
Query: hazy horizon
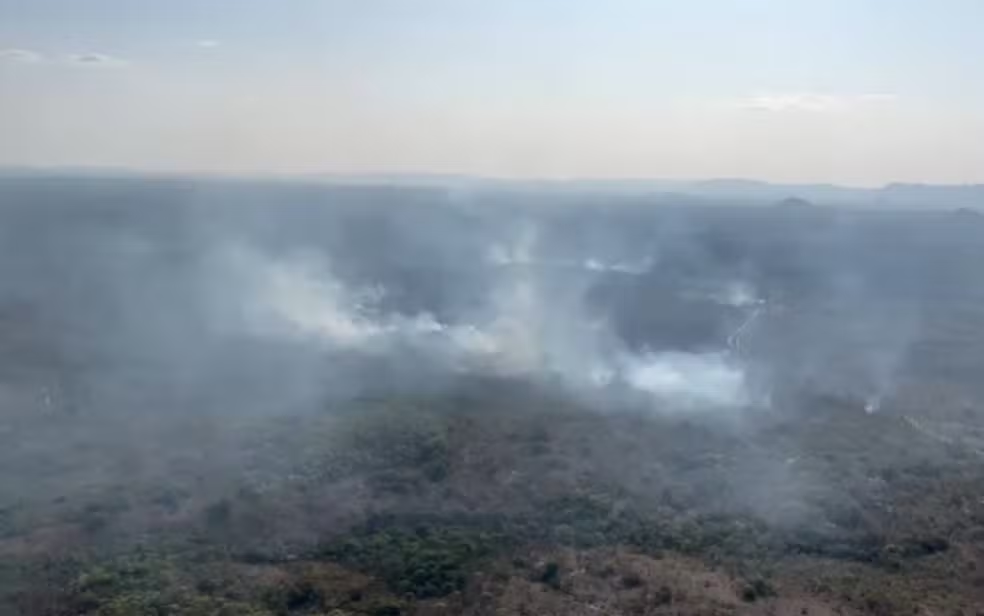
x=850, y=93
x=439, y=178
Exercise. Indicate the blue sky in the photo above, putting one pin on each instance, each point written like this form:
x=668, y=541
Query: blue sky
x=848, y=91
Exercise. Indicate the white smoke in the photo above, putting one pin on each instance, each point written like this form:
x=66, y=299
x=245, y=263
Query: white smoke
x=689, y=381
x=738, y=294
x=517, y=252
x=521, y=251
x=298, y=297
x=635, y=268
x=528, y=328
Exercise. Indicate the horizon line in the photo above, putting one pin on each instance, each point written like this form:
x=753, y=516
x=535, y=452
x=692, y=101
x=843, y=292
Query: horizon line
x=447, y=176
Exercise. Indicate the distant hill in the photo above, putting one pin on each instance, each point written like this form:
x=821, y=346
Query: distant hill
x=968, y=213
x=750, y=192
x=906, y=196
x=795, y=203
x=896, y=195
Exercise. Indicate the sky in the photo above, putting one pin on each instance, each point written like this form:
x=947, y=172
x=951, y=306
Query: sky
x=856, y=92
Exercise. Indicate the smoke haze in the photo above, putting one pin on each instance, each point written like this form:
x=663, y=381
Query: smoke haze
x=294, y=359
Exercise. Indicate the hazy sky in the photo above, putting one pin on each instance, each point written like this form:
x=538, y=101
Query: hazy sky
x=850, y=91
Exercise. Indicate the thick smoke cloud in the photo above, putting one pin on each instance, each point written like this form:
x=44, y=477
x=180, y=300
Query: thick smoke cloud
x=534, y=324
x=264, y=297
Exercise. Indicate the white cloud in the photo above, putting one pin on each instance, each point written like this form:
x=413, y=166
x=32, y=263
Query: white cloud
x=813, y=102
x=96, y=60
x=83, y=60
x=19, y=56
x=207, y=44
